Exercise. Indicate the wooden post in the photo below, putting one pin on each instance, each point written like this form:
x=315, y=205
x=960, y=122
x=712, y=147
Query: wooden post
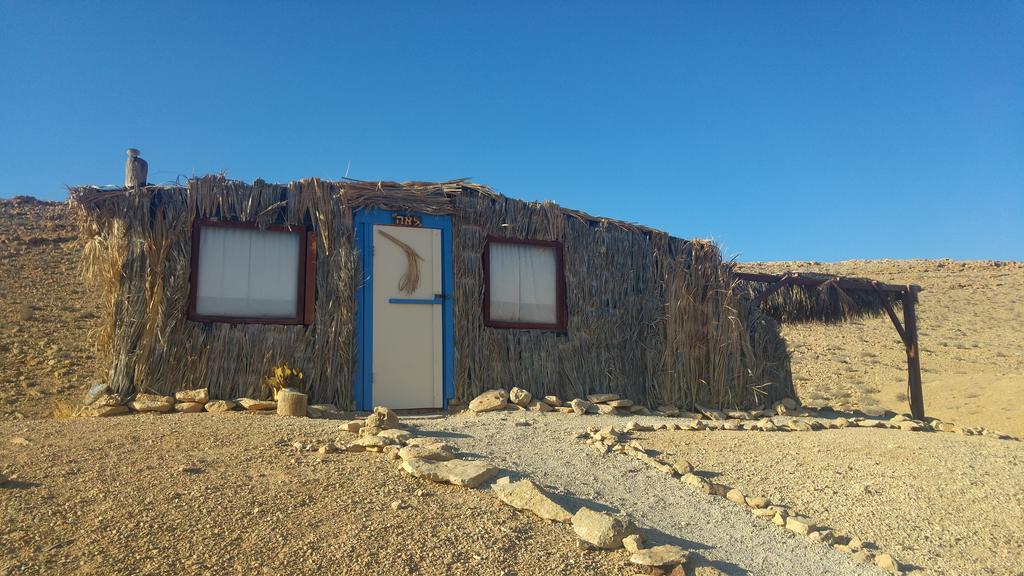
x=913, y=355
x=291, y=403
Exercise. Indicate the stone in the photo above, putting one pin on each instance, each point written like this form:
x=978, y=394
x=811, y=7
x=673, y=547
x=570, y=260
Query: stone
x=620, y=403
x=800, y=525
x=738, y=414
x=855, y=544
x=219, y=406
x=789, y=403
x=369, y=431
x=424, y=453
x=604, y=409
x=104, y=411
x=862, y=557
x=633, y=543
x=397, y=505
x=399, y=436
x=711, y=413
x=758, y=502
x=519, y=397
x=660, y=556
x=374, y=443
x=799, y=426
x=718, y=489
x=841, y=423
x=600, y=530
x=763, y=513
x=351, y=426
x=909, y=426
x=566, y=410
x=106, y=400
x=779, y=519
x=383, y=417
x=324, y=412
x=736, y=496
x=553, y=401
x=668, y=410
x=634, y=426
x=888, y=563
x=200, y=395
x=538, y=406
x=256, y=405
x=291, y=403
x=457, y=472
x=682, y=466
x=152, y=403
x=489, y=401
x=599, y=398
x=525, y=495
x=328, y=448
x=189, y=407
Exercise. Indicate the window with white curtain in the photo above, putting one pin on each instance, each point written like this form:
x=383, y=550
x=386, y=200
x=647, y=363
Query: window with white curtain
x=524, y=284
x=248, y=274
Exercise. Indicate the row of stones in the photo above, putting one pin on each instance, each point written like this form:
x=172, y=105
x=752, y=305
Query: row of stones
x=611, y=440
x=783, y=415
x=100, y=402
x=437, y=461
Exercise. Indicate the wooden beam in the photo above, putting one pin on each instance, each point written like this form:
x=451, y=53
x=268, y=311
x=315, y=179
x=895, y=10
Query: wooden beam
x=913, y=355
x=772, y=290
x=892, y=314
x=799, y=279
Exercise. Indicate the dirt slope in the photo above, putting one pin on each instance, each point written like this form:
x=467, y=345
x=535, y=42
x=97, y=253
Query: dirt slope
x=971, y=329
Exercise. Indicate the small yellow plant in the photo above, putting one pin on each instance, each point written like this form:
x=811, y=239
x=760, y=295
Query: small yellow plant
x=65, y=410
x=284, y=377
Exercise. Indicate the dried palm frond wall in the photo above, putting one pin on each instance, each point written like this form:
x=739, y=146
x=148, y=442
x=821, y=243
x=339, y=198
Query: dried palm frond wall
x=651, y=317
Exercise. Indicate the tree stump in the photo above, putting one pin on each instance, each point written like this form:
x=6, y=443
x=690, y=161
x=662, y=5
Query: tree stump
x=291, y=403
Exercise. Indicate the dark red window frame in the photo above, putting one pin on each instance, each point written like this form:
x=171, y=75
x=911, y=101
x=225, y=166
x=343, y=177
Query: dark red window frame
x=307, y=274
x=562, y=323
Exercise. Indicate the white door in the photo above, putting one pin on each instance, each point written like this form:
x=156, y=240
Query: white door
x=407, y=325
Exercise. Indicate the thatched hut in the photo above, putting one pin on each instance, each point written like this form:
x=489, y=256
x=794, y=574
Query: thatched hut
x=414, y=294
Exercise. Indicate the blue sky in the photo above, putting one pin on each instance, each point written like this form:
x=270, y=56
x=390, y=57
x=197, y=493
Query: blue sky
x=786, y=130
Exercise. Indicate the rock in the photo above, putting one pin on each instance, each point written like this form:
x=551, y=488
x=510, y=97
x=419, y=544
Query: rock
x=424, y=453
x=841, y=423
x=328, y=448
x=789, y=403
x=604, y=408
x=599, y=398
x=553, y=401
x=525, y=495
x=188, y=407
x=668, y=410
x=566, y=410
x=707, y=571
x=718, y=489
x=633, y=543
x=20, y=441
x=599, y=529
x=888, y=563
x=909, y=426
x=374, y=443
x=152, y=403
x=199, y=395
x=660, y=556
x=519, y=397
x=104, y=411
x=800, y=525
x=757, y=502
x=219, y=406
x=291, y=403
x=738, y=414
x=620, y=403
x=736, y=496
x=862, y=557
x=457, y=472
x=106, y=400
x=383, y=417
x=799, y=426
x=489, y=401
x=398, y=435
x=682, y=466
x=538, y=406
x=351, y=426
x=763, y=513
x=634, y=426
x=369, y=431
x=255, y=405
x=324, y=412
x=855, y=544
x=397, y=505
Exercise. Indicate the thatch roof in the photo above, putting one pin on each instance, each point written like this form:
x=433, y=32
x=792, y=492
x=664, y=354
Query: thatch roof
x=813, y=297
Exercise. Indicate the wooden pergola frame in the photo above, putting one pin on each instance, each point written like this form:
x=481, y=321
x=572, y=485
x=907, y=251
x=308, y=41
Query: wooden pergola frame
x=907, y=329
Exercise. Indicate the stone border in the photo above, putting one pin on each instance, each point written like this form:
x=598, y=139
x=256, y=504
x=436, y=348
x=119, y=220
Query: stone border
x=784, y=415
x=99, y=401
x=610, y=440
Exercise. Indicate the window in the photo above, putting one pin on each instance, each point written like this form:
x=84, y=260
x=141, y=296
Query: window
x=241, y=273
x=524, y=284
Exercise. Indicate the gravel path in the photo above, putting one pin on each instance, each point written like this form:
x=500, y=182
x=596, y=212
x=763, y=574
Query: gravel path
x=718, y=530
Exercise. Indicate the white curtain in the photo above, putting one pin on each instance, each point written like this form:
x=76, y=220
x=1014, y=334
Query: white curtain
x=523, y=283
x=248, y=273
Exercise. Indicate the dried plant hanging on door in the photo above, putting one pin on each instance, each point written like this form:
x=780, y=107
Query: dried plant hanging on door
x=411, y=279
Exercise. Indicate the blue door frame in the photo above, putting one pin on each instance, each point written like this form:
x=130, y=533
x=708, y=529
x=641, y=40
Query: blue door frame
x=363, y=220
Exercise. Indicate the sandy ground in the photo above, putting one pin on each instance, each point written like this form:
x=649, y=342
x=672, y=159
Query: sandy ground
x=721, y=532
x=226, y=494
x=971, y=317
x=941, y=503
